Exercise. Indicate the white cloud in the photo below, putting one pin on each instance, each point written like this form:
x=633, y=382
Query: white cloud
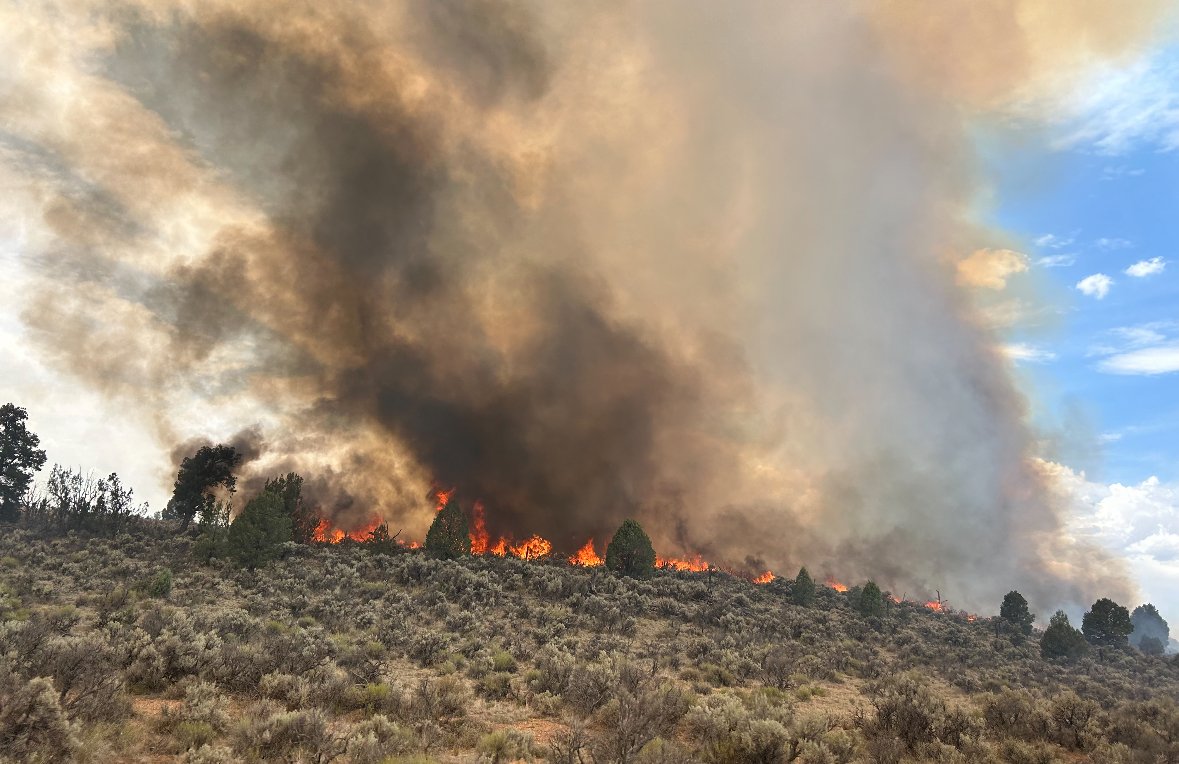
x=1159, y=359
x=1139, y=523
x=1022, y=352
x=1056, y=261
x=1121, y=171
x=1096, y=285
x=1149, y=267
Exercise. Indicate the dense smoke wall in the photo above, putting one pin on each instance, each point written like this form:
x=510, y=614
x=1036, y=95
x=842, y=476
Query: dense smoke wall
x=685, y=262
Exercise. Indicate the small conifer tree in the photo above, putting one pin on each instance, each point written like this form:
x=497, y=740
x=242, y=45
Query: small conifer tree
x=803, y=591
x=449, y=537
x=1014, y=611
x=1061, y=640
x=257, y=534
x=871, y=600
x=630, y=552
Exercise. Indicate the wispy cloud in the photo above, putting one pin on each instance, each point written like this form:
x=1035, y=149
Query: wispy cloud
x=1144, y=268
x=1096, y=285
x=1148, y=361
x=1121, y=171
x=1124, y=107
x=1023, y=352
x=1113, y=243
x=1052, y=241
x=1056, y=261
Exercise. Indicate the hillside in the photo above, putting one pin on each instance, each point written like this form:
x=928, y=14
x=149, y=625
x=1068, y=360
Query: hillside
x=343, y=653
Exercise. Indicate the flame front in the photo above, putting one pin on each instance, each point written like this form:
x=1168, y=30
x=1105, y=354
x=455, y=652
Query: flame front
x=479, y=537
x=696, y=564
x=765, y=578
x=587, y=556
x=326, y=533
x=837, y=586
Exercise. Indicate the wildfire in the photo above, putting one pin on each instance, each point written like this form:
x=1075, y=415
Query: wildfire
x=479, y=537
x=325, y=533
x=765, y=578
x=936, y=606
x=833, y=584
x=587, y=556
x=443, y=498
x=696, y=564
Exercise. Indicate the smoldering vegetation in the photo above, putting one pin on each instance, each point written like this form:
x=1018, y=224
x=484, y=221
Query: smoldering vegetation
x=581, y=263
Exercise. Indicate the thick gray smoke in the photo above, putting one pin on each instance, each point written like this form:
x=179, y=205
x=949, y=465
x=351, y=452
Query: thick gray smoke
x=683, y=262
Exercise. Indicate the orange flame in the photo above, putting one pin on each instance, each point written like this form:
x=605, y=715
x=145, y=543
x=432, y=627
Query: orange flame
x=532, y=548
x=971, y=618
x=479, y=537
x=935, y=606
x=765, y=578
x=326, y=533
x=696, y=564
x=833, y=584
x=587, y=556
x=443, y=498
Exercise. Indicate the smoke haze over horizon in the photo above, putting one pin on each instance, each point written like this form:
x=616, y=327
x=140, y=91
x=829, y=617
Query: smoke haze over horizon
x=720, y=270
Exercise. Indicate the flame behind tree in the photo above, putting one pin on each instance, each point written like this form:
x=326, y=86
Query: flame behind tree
x=449, y=537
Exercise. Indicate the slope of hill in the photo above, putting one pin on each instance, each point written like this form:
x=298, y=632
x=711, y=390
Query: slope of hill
x=128, y=650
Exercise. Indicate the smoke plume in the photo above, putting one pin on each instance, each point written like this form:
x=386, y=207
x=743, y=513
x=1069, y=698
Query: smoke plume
x=685, y=262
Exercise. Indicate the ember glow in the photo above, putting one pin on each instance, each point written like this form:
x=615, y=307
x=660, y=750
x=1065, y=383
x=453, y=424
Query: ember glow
x=587, y=556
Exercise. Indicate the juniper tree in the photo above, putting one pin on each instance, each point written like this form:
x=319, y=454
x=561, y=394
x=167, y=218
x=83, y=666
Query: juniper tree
x=1149, y=625
x=1107, y=624
x=1014, y=611
x=19, y=459
x=199, y=475
x=449, y=537
x=1061, y=640
x=871, y=600
x=630, y=552
x=803, y=591
x=258, y=533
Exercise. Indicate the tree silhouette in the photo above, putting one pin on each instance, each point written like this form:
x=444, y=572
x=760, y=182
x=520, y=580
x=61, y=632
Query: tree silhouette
x=19, y=460
x=209, y=468
x=449, y=537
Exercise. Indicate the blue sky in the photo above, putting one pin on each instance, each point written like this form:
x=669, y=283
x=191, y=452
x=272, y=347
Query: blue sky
x=1091, y=201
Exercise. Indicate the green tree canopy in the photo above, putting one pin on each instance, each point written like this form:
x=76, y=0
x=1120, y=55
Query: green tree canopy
x=257, y=534
x=19, y=460
x=630, y=552
x=209, y=468
x=304, y=519
x=1061, y=640
x=871, y=600
x=1107, y=624
x=449, y=537
x=1014, y=611
x=803, y=591
x=1148, y=624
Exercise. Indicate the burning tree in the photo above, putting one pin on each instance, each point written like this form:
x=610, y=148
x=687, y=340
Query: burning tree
x=448, y=537
x=630, y=552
